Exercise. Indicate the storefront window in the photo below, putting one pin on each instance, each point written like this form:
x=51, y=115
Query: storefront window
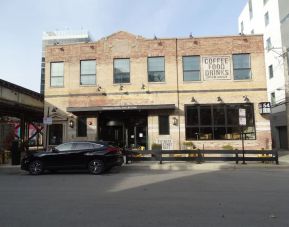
x=218, y=122
x=164, y=126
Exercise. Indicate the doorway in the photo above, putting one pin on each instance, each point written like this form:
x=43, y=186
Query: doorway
x=282, y=130
x=55, y=134
x=124, y=128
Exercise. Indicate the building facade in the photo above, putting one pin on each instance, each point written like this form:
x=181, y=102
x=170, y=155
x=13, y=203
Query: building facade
x=56, y=38
x=138, y=92
x=271, y=18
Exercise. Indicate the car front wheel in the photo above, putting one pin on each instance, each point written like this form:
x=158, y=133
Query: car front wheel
x=36, y=167
x=96, y=166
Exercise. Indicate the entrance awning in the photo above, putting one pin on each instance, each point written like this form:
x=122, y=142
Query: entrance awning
x=128, y=107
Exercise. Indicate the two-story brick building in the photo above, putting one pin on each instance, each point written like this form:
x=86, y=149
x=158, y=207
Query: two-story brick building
x=137, y=91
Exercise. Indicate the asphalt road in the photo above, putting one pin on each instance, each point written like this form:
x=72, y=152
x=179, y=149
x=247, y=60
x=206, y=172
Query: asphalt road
x=134, y=196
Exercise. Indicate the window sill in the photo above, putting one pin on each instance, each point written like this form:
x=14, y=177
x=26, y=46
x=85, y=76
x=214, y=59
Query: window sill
x=246, y=80
x=87, y=85
x=157, y=82
x=192, y=81
x=118, y=84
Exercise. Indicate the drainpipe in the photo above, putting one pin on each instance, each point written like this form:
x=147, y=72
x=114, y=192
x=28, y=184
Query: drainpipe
x=178, y=93
x=286, y=69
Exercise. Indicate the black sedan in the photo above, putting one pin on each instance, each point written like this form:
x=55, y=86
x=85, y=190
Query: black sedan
x=96, y=157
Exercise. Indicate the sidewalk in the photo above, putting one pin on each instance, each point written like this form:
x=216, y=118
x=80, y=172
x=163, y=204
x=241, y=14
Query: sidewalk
x=183, y=166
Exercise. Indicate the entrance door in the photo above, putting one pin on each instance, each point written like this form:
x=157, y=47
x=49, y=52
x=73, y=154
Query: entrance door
x=55, y=134
x=125, y=128
x=283, y=137
x=137, y=136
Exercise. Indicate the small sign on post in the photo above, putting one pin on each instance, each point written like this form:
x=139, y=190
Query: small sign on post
x=242, y=122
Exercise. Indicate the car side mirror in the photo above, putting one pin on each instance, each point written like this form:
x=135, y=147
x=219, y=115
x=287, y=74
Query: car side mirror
x=54, y=150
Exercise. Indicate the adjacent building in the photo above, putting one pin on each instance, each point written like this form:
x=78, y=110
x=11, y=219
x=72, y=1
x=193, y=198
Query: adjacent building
x=271, y=18
x=56, y=38
x=137, y=91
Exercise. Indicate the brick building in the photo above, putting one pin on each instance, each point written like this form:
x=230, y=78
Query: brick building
x=137, y=91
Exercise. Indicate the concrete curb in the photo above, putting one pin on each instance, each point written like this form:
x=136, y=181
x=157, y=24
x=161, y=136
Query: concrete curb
x=183, y=166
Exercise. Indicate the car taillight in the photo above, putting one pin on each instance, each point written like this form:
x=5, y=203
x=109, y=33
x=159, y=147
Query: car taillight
x=113, y=150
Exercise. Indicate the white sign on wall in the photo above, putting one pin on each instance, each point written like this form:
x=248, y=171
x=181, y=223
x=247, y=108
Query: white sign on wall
x=216, y=67
x=47, y=120
x=167, y=144
x=242, y=116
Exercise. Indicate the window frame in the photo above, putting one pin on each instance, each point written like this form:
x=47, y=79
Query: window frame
x=199, y=70
x=271, y=71
x=242, y=68
x=273, y=98
x=164, y=130
x=250, y=9
x=227, y=126
x=61, y=86
x=266, y=19
x=115, y=59
x=151, y=57
x=87, y=74
x=268, y=44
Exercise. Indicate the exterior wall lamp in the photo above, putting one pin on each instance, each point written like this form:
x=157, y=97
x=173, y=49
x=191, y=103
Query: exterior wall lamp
x=143, y=87
x=219, y=99
x=71, y=124
x=193, y=100
x=54, y=110
x=175, y=121
x=246, y=99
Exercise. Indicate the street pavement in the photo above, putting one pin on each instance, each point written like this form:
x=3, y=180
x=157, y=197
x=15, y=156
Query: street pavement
x=149, y=194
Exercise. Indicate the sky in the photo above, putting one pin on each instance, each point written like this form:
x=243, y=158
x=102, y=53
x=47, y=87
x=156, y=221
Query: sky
x=23, y=22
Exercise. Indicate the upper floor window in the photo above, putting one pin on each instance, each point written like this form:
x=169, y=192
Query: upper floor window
x=268, y=44
x=271, y=74
x=250, y=9
x=191, y=68
x=273, y=98
x=266, y=18
x=156, y=69
x=88, y=72
x=252, y=31
x=242, y=27
x=121, y=71
x=57, y=74
x=242, y=66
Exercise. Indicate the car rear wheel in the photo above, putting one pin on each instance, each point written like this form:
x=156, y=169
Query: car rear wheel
x=96, y=166
x=36, y=167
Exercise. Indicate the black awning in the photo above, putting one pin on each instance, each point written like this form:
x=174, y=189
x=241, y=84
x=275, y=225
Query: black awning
x=128, y=107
